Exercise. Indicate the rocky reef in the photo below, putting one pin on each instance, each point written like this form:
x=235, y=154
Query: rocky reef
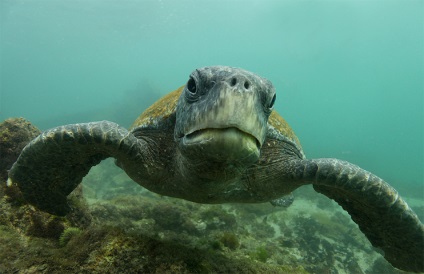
x=15, y=133
x=116, y=226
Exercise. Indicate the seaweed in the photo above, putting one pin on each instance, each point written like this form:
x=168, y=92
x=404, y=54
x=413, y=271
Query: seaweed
x=229, y=240
x=260, y=254
x=68, y=234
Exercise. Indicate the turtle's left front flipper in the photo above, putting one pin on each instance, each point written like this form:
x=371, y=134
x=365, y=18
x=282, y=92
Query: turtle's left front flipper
x=381, y=214
x=54, y=163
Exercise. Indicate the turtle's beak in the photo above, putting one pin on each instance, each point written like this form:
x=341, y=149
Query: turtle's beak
x=230, y=133
x=224, y=144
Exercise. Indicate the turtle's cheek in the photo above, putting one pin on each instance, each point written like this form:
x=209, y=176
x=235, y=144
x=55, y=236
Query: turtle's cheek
x=223, y=145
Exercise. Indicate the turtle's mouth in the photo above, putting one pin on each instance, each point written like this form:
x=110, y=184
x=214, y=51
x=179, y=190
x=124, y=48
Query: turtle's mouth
x=229, y=134
x=222, y=144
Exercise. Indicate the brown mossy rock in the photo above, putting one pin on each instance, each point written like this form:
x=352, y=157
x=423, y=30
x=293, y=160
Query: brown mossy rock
x=15, y=134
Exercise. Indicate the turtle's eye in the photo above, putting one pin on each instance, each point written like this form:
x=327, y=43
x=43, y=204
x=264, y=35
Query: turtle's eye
x=271, y=104
x=191, y=86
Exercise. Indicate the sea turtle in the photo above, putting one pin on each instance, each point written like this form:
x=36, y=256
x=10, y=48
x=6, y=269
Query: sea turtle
x=217, y=139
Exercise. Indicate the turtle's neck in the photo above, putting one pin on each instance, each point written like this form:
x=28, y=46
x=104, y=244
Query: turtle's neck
x=208, y=174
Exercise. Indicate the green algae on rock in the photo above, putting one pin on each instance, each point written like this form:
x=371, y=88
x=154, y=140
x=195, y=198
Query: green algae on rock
x=67, y=235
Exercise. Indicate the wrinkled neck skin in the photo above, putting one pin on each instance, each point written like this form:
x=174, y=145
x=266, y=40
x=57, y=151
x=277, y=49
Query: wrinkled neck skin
x=208, y=176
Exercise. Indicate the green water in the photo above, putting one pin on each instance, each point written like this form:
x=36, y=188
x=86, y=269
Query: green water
x=348, y=74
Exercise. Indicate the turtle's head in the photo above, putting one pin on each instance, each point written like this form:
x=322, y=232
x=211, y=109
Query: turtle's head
x=222, y=115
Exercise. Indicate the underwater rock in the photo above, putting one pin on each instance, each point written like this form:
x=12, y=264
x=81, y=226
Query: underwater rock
x=15, y=134
x=217, y=218
x=230, y=240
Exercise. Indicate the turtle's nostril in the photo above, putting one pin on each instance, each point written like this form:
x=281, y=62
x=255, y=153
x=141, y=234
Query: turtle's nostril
x=233, y=82
x=246, y=85
x=240, y=82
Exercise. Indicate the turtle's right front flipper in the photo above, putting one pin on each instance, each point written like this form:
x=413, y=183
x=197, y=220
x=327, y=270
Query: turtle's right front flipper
x=381, y=214
x=54, y=163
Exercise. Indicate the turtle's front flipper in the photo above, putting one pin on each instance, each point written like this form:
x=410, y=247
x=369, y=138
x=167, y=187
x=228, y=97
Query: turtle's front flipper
x=54, y=163
x=382, y=215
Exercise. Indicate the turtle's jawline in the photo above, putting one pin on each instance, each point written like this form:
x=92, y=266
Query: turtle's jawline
x=199, y=132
